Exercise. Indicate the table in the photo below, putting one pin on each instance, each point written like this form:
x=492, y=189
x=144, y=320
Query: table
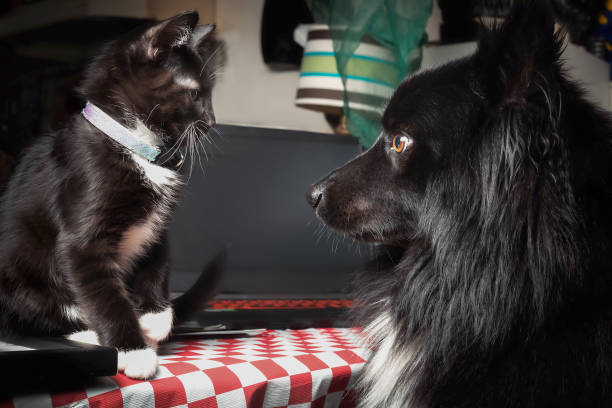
x=276, y=368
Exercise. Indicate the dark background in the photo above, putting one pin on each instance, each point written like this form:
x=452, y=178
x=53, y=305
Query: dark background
x=251, y=195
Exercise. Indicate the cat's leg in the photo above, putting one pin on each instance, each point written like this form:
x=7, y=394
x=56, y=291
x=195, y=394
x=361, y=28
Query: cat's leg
x=156, y=326
x=150, y=289
x=104, y=301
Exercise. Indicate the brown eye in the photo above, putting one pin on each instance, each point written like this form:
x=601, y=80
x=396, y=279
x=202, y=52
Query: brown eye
x=194, y=94
x=401, y=142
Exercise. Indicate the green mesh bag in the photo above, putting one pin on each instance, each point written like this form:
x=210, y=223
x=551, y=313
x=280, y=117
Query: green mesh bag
x=398, y=25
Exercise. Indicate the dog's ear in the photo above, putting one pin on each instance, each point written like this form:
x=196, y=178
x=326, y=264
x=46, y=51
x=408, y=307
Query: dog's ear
x=509, y=56
x=173, y=32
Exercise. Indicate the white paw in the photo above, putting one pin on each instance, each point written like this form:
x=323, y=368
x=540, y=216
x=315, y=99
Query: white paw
x=139, y=364
x=156, y=326
x=85, y=336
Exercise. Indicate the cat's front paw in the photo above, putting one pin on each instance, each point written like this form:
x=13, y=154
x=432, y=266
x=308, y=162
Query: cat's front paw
x=139, y=364
x=156, y=326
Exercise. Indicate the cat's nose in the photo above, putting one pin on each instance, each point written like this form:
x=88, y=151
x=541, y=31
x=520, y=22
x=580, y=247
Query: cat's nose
x=315, y=194
x=211, y=121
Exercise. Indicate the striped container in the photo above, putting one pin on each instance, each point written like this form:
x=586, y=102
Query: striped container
x=371, y=75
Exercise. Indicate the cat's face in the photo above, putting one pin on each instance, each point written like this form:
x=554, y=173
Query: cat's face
x=161, y=77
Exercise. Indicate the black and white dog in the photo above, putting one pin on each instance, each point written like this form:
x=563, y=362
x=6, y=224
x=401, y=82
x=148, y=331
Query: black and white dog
x=491, y=188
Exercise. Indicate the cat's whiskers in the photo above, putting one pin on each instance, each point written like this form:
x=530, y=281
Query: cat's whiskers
x=198, y=153
x=215, y=74
x=203, y=134
x=208, y=60
x=192, y=140
x=190, y=149
x=219, y=133
x=201, y=142
x=195, y=139
x=150, y=113
x=175, y=147
x=199, y=135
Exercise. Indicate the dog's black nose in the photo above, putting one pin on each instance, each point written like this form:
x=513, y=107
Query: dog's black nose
x=314, y=195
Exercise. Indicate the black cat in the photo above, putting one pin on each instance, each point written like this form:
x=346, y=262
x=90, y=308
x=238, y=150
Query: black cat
x=83, y=219
x=492, y=182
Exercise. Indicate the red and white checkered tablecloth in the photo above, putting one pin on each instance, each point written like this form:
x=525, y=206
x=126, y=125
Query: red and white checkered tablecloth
x=277, y=368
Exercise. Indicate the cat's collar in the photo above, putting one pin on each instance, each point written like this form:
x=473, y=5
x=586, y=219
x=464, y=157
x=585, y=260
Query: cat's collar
x=116, y=131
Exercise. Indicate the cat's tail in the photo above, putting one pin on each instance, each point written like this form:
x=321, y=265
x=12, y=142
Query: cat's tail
x=198, y=295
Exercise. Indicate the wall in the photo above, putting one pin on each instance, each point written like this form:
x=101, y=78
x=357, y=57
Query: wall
x=248, y=92
x=161, y=9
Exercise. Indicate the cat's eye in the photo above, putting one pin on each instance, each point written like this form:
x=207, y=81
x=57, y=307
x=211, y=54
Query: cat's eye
x=401, y=142
x=194, y=94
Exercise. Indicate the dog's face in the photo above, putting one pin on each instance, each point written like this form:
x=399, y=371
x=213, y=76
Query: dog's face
x=434, y=126
x=375, y=197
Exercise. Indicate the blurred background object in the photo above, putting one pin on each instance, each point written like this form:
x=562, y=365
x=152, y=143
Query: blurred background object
x=461, y=18
x=580, y=18
x=278, y=21
x=603, y=40
x=369, y=77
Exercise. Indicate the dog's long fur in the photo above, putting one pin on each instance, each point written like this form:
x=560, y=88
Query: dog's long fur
x=494, y=288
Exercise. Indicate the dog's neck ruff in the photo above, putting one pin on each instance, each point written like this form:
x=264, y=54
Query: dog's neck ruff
x=116, y=131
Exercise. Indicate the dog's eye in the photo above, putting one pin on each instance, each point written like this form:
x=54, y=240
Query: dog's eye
x=401, y=143
x=194, y=94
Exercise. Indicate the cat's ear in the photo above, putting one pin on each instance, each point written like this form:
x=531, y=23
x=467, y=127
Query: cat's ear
x=200, y=34
x=209, y=46
x=511, y=55
x=176, y=31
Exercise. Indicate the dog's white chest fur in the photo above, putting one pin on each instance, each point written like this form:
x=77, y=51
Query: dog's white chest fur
x=386, y=379
x=137, y=238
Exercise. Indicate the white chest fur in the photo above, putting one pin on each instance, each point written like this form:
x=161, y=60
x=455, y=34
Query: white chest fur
x=160, y=177
x=387, y=378
x=137, y=238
